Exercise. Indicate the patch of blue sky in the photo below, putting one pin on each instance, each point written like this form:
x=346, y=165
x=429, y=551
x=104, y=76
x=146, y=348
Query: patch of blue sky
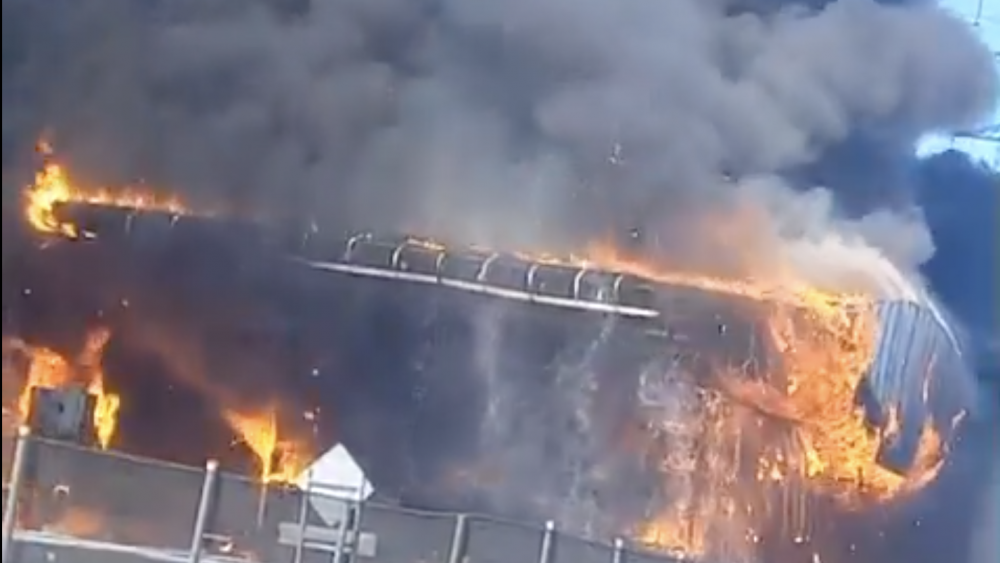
x=985, y=16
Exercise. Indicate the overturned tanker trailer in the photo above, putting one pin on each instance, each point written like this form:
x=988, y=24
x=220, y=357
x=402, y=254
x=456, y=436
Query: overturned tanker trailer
x=479, y=380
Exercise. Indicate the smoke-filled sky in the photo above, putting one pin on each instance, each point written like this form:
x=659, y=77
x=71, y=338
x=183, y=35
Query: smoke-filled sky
x=567, y=120
x=523, y=121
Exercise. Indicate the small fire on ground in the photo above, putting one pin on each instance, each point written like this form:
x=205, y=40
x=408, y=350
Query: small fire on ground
x=39, y=367
x=52, y=187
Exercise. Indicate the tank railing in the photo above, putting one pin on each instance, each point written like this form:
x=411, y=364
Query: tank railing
x=225, y=517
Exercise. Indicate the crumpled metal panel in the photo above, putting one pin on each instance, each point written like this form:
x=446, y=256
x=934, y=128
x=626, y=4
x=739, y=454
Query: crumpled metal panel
x=918, y=374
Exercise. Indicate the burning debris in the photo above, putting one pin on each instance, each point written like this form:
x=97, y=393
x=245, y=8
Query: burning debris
x=48, y=378
x=52, y=187
x=40, y=371
x=46, y=369
x=751, y=396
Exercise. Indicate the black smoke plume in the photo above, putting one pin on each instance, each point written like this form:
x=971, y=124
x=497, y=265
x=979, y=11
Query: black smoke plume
x=459, y=118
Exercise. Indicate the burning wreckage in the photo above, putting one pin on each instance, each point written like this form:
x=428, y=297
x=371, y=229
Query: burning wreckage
x=699, y=415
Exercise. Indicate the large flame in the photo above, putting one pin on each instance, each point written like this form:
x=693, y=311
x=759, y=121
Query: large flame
x=52, y=186
x=46, y=368
x=826, y=342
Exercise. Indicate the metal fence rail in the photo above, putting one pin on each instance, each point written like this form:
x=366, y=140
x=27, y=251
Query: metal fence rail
x=65, y=503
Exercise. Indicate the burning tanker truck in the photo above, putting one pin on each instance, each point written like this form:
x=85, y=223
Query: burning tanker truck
x=700, y=416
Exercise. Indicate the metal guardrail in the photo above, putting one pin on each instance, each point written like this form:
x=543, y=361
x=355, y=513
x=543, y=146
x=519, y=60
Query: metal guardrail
x=108, y=508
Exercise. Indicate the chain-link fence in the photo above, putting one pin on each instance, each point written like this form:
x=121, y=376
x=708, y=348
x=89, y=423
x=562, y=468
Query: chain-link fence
x=79, y=505
x=7, y=448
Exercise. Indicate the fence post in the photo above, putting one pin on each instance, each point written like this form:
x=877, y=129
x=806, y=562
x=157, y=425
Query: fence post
x=457, y=552
x=350, y=507
x=204, y=508
x=548, y=543
x=14, y=492
x=300, y=543
x=619, y=553
x=353, y=512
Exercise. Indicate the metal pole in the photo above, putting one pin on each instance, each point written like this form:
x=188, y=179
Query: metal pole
x=457, y=553
x=548, y=543
x=204, y=508
x=358, y=516
x=338, y=550
x=619, y=553
x=300, y=542
x=14, y=491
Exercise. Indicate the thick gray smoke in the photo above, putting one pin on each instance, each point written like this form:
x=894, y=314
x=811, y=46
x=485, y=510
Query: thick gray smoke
x=566, y=119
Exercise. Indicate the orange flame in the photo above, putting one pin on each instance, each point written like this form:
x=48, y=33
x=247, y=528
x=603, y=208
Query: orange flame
x=52, y=187
x=826, y=343
x=777, y=287
x=280, y=460
x=825, y=364
x=47, y=368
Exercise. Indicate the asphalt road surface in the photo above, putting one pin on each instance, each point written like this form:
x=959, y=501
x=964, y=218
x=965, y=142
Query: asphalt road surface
x=46, y=548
